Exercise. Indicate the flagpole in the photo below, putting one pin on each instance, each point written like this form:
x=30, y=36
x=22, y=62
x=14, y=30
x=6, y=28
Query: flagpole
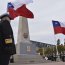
x=58, y=58
x=57, y=54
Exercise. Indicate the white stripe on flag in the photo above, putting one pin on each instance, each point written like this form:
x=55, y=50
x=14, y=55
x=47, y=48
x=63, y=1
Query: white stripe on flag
x=19, y=3
x=62, y=24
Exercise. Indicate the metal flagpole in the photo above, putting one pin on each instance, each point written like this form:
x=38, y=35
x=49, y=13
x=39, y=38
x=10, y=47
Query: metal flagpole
x=57, y=54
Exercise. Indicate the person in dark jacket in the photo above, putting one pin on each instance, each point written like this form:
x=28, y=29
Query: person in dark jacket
x=7, y=45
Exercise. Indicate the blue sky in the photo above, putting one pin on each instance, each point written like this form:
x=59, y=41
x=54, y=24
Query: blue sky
x=40, y=28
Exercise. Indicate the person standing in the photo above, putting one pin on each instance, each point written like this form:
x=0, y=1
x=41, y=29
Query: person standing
x=7, y=45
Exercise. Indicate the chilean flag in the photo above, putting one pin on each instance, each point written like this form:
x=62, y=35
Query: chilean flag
x=18, y=8
x=58, y=27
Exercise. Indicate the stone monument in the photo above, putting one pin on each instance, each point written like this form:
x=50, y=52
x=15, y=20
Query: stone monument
x=26, y=51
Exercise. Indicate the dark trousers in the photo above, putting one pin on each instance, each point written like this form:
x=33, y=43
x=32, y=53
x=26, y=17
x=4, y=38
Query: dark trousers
x=4, y=59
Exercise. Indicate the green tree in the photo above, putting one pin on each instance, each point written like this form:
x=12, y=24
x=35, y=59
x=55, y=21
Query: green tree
x=61, y=48
x=48, y=51
x=40, y=50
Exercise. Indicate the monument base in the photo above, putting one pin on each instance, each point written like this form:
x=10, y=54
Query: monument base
x=26, y=53
x=27, y=59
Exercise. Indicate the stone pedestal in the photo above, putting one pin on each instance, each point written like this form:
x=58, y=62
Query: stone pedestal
x=26, y=51
x=24, y=46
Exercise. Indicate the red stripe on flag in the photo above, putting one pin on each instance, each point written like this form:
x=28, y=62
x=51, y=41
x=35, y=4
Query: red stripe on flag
x=23, y=11
x=63, y=29
x=12, y=13
x=57, y=30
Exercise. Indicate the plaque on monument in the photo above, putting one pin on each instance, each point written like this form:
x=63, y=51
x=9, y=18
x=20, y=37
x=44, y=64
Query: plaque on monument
x=25, y=35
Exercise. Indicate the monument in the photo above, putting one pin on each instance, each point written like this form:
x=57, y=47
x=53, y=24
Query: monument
x=26, y=51
x=24, y=45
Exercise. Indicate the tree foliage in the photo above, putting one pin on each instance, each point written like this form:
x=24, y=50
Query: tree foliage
x=40, y=50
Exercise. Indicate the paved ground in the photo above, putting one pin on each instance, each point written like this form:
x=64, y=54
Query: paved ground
x=52, y=63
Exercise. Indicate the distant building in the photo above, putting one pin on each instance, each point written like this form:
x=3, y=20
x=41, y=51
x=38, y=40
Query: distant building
x=41, y=44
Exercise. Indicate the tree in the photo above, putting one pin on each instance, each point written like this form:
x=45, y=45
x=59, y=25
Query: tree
x=48, y=51
x=40, y=50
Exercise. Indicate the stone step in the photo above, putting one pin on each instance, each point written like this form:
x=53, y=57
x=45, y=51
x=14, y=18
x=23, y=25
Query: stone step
x=45, y=61
x=25, y=59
